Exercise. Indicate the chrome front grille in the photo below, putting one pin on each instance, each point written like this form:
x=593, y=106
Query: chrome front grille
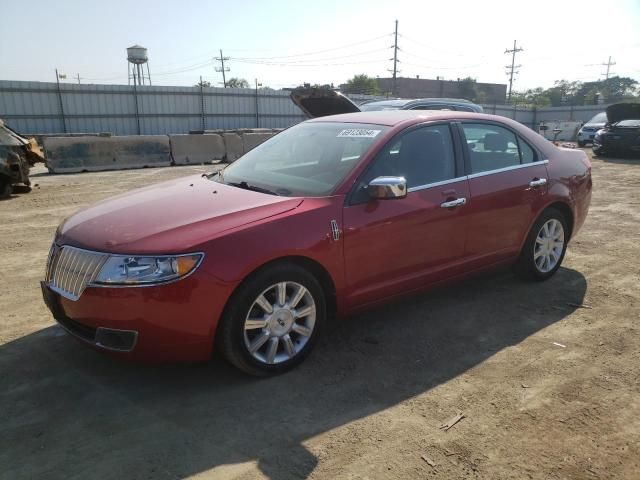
x=70, y=269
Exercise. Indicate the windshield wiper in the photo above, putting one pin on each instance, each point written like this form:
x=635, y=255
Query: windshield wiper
x=253, y=188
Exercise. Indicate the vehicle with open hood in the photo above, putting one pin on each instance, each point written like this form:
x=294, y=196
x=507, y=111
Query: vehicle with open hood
x=621, y=134
x=323, y=101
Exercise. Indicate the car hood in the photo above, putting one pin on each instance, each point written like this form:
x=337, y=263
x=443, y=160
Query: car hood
x=623, y=111
x=320, y=102
x=170, y=217
x=594, y=125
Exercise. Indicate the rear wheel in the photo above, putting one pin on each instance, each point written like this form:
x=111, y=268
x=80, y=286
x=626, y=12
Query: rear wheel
x=545, y=247
x=273, y=321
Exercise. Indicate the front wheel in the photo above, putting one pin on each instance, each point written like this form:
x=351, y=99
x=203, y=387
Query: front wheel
x=545, y=247
x=273, y=321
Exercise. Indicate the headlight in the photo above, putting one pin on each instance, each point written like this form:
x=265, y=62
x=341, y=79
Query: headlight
x=130, y=270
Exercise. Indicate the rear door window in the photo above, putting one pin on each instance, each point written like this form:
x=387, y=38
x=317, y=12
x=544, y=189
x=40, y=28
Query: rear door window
x=527, y=154
x=490, y=147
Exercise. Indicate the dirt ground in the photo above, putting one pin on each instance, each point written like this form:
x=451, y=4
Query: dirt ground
x=547, y=375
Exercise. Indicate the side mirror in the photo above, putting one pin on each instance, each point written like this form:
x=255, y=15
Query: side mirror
x=384, y=188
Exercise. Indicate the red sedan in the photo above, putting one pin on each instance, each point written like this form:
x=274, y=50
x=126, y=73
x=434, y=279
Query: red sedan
x=331, y=216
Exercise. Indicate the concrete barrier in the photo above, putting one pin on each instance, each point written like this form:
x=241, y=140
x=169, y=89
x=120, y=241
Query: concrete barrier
x=90, y=154
x=196, y=149
x=142, y=151
x=233, y=145
x=252, y=140
x=71, y=154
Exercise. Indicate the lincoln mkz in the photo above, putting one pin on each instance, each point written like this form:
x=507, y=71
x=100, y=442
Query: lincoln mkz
x=331, y=216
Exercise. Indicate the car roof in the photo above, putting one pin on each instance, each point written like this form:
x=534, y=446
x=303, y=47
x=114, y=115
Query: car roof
x=396, y=117
x=399, y=102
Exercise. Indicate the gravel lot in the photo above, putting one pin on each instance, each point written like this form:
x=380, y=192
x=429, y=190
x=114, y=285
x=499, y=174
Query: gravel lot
x=369, y=401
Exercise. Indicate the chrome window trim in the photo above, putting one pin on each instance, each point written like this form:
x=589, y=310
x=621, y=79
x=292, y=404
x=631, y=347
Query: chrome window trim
x=435, y=184
x=507, y=169
x=475, y=175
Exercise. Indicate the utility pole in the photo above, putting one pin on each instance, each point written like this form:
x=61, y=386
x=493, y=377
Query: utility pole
x=78, y=77
x=222, y=68
x=395, y=60
x=512, y=67
x=609, y=64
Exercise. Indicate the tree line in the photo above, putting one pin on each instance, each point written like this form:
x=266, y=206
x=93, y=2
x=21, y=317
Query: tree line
x=563, y=92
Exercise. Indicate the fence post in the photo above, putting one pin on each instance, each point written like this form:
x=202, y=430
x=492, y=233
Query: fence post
x=257, y=112
x=64, y=122
x=135, y=98
x=202, y=117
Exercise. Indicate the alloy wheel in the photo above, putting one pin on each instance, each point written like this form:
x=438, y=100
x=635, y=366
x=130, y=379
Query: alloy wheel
x=279, y=323
x=549, y=245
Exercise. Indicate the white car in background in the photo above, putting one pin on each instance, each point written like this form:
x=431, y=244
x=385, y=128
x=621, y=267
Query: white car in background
x=589, y=129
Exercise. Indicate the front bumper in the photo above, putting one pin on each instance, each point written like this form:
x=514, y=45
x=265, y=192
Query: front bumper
x=164, y=323
x=586, y=136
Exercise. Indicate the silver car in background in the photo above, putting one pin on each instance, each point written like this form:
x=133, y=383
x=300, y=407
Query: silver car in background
x=588, y=131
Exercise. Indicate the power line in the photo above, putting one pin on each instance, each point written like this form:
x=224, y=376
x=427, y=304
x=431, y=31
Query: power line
x=317, y=51
x=278, y=64
x=222, y=68
x=292, y=62
x=513, y=66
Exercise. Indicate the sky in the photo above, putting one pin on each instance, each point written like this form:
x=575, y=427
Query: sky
x=287, y=43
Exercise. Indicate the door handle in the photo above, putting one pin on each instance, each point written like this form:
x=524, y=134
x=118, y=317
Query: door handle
x=538, y=182
x=454, y=203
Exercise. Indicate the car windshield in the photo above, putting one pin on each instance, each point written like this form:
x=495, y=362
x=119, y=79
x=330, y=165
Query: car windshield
x=309, y=159
x=599, y=118
x=628, y=123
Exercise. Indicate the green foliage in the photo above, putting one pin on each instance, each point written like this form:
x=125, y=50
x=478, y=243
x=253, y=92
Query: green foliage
x=468, y=89
x=203, y=83
x=362, y=84
x=563, y=92
x=237, y=83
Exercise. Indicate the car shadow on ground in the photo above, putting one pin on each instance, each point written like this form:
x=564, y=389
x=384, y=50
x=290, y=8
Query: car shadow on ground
x=621, y=160
x=68, y=411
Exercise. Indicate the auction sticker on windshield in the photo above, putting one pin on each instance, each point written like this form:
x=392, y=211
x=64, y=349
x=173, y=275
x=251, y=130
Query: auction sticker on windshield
x=358, y=133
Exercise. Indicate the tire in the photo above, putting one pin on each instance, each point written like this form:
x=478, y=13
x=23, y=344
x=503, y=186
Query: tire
x=21, y=189
x=5, y=187
x=531, y=262
x=581, y=144
x=245, y=323
x=598, y=151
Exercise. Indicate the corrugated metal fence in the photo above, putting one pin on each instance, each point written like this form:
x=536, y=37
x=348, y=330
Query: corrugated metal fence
x=42, y=108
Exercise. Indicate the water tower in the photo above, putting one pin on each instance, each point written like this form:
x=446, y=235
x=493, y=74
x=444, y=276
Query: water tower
x=137, y=59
